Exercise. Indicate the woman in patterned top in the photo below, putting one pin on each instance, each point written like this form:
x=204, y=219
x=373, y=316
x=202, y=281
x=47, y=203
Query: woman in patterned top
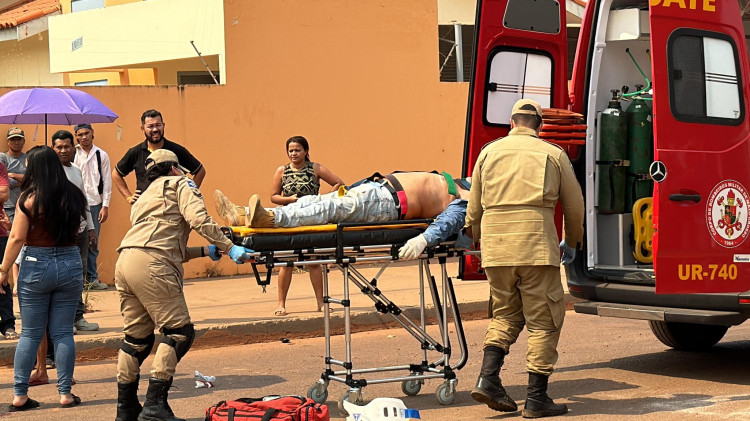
x=300, y=177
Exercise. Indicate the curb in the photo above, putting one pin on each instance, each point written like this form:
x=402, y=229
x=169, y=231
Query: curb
x=105, y=346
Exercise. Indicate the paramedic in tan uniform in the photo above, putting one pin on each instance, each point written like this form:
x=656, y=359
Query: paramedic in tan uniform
x=516, y=184
x=148, y=277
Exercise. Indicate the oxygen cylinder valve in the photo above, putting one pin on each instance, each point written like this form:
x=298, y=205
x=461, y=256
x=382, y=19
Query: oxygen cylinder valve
x=615, y=101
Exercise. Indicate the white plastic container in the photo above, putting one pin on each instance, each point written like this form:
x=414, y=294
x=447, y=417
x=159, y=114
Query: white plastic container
x=381, y=409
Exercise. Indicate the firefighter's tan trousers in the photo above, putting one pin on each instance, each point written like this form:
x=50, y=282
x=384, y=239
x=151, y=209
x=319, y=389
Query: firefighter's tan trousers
x=532, y=295
x=150, y=297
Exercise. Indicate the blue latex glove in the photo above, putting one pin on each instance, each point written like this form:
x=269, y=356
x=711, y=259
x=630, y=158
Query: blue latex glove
x=239, y=254
x=568, y=253
x=213, y=252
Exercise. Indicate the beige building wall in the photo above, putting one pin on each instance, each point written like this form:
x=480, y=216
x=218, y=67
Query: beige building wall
x=126, y=35
x=358, y=79
x=457, y=11
x=66, y=8
x=26, y=63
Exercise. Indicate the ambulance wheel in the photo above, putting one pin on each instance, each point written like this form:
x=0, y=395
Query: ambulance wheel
x=687, y=336
x=411, y=387
x=351, y=396
x=445, y=394
x=318, y=392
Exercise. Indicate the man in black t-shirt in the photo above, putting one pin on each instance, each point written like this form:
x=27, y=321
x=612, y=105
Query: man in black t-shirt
x=152, y=126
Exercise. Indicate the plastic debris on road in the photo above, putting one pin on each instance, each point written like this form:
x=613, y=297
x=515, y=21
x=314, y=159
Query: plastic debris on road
x=202, y=381
x=200, y=384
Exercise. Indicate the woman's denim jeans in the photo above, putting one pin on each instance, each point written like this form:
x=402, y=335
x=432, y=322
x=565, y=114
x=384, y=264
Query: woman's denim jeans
x=368, y=202
x=50, y=282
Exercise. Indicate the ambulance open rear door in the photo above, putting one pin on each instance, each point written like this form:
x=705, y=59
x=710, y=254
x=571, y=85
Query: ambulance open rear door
x=701, y=169
x=520, y=51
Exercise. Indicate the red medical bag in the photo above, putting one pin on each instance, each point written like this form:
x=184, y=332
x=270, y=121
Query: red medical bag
x=269, y=408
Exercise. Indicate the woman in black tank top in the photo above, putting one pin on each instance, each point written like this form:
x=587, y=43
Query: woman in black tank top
x=300, y=177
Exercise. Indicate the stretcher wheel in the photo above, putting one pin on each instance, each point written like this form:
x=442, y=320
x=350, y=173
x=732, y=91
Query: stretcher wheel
x=352, y=396
x=411, y=387
x=318, y=392
x=445, y=394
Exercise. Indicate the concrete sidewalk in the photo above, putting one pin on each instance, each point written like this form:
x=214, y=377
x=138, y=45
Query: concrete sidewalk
x=234, y=310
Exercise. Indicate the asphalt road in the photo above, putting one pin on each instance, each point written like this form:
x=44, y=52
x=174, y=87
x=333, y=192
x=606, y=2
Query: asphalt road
x=609, y=369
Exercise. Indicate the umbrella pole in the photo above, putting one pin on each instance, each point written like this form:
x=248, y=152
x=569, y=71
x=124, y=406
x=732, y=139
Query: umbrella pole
x=45, y=130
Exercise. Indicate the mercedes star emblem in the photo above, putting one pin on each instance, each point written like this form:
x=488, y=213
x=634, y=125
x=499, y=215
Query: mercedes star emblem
x=658, y=171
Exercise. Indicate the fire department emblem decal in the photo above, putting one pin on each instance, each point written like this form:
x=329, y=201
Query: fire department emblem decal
x=727, y=213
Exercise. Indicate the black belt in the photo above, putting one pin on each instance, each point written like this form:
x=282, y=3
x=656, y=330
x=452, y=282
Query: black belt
x=394, y=188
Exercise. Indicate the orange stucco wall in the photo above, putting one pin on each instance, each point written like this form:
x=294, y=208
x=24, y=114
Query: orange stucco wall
x=358, y=79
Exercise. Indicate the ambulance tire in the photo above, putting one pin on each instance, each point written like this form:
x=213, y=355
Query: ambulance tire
x=687, y=336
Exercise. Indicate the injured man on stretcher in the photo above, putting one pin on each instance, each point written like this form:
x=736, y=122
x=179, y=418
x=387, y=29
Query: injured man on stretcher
x=378, y=198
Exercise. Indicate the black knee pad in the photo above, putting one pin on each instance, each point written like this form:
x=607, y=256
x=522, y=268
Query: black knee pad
x=148, y=341
x=180, y=347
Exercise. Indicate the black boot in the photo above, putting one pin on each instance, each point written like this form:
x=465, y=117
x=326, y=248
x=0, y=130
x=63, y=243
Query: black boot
x=128, y=407
x=538, y=404
x=166, y=395
x=154, y=408
x=489, y=389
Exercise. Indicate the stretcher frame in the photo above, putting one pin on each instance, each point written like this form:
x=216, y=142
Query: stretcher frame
x=445, y=307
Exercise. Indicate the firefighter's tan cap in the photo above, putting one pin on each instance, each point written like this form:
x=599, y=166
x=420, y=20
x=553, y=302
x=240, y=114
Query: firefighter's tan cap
x=163, y=155
x=517, y=107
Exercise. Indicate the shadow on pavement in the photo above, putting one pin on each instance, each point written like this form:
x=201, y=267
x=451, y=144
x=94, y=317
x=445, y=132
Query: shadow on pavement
x=726, y=362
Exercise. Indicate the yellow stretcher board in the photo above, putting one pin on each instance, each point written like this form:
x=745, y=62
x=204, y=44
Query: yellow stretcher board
x=246, y=232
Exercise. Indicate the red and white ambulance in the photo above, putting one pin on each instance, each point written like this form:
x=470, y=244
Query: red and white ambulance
x=682, y=260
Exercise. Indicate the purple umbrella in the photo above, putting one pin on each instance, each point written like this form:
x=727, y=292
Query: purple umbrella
x=52, y=106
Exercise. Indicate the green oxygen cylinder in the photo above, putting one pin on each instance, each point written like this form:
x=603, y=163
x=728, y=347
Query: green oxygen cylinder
x=611, y=166
x=640, y=151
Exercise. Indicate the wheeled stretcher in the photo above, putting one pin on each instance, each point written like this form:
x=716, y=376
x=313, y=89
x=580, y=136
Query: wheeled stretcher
x=347, y=245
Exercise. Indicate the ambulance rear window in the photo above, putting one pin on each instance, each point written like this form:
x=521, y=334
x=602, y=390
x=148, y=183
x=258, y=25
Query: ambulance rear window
x=705, y=84
x=536, y=16
x=515, y=74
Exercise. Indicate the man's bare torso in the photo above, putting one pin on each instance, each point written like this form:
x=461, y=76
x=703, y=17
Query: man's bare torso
x=426, y=193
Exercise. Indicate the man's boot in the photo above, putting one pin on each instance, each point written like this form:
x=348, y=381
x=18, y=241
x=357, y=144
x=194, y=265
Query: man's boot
x=232, y=214
x=128, y=407
x=538, y=404
x=489, y=389
x=155, y=408
x=258, y=216
x=166, y=396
